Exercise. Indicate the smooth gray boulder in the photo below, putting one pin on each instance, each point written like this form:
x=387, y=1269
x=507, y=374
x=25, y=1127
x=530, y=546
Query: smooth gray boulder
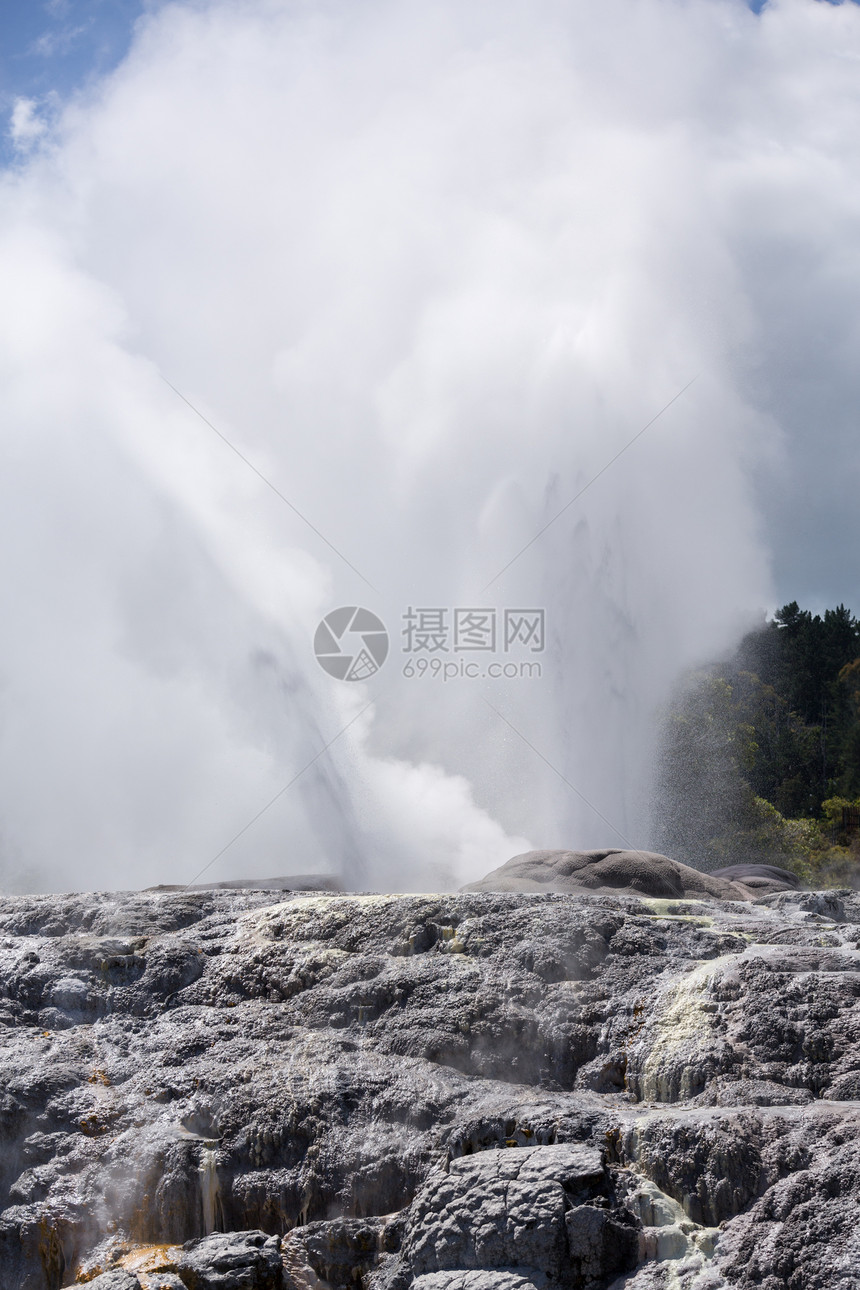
x=763, y=879
x=610, y=871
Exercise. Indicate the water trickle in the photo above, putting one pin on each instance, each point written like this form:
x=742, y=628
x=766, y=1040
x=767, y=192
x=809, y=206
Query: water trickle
x=210, y=1195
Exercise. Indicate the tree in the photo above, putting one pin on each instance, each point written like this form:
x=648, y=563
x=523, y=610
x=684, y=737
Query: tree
x=755, y=750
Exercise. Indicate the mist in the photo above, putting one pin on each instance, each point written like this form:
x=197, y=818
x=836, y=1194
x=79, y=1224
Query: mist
x=431, y=269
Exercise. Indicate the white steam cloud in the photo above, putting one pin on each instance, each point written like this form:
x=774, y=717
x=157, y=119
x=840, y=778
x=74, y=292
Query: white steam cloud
x=429, y=267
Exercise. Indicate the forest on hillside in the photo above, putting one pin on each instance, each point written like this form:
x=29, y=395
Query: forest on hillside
x=760, y=754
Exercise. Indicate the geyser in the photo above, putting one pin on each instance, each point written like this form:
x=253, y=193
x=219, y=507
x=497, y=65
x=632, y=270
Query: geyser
x=430, y=270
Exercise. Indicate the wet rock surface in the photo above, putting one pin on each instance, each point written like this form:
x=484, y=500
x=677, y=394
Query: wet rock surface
x=251, y=1088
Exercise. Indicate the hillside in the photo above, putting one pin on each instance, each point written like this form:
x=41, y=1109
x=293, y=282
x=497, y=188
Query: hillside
x=760, y=753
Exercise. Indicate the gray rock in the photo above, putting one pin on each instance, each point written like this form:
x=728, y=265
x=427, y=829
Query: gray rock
x=293, y=882
x=827, y=904
x=233, y=1261
x=761, y=878
x=498, y=1279
x=338, y=1252
x=504, y=1089
x=118, y=1279
x=541, y=1209
x=637, y=872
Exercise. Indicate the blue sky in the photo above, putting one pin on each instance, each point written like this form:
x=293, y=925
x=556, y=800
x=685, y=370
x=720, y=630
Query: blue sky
x=53, y=47
x=50, y=48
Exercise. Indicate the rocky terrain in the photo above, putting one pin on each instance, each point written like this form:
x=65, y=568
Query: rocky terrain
x=268, y=1090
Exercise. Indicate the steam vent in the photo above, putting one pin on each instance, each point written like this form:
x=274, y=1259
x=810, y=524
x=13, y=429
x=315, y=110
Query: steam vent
x=588, y=1073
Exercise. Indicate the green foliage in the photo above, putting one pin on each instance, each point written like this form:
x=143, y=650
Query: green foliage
x=760, y=753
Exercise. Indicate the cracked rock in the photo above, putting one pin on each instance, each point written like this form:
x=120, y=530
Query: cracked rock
x=313, y=1091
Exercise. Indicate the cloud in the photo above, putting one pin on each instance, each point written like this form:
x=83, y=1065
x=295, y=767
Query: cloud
x=429, y=268
x=59, y=41
x=26, y=126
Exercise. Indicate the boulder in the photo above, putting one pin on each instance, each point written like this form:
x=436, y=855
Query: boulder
x=763, y=879
x=232, y=1261
x=641, y=873
x=543, y=1211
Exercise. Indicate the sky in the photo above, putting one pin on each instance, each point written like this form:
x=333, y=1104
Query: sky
x=49, y=51
x=413, y=307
